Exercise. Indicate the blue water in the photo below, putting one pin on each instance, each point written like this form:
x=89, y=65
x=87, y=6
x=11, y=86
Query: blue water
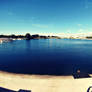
x=46, y=56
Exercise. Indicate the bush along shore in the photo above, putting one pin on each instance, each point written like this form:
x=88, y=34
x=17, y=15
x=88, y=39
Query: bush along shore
x=26, y=37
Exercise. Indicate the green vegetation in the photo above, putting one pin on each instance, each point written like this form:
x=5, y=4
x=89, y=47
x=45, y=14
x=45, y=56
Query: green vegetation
x=28, y=36
x=89, y=37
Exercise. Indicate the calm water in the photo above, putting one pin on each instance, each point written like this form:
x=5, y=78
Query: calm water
x=46, y=56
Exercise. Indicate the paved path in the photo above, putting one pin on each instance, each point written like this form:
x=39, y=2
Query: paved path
x=38, y=83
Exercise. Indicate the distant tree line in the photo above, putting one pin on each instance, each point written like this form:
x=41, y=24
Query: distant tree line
x=11, y=36
x=28, y=36
x=89, y=37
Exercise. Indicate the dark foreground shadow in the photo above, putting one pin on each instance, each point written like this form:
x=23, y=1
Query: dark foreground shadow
x=8, y=90
x=89, y=89
x=79, y=74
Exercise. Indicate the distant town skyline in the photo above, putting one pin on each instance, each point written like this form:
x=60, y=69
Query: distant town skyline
x=45, y=16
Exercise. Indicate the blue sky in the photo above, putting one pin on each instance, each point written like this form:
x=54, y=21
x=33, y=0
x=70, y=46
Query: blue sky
x=45, y=16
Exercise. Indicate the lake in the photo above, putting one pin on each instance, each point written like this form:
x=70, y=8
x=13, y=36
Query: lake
x=46, y=56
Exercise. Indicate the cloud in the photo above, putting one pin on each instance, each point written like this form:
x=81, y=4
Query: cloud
x=40, y=25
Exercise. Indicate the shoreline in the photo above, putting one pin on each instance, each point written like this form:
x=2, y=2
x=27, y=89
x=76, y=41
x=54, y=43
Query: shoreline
x=12, y=39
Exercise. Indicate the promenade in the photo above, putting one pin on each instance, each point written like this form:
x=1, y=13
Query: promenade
x=37, y=83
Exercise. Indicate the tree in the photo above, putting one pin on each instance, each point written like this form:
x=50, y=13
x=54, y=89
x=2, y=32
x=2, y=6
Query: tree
x=28, y=36
x=13, y=36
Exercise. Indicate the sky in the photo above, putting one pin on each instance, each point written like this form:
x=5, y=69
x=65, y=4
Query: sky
x=45, y=16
